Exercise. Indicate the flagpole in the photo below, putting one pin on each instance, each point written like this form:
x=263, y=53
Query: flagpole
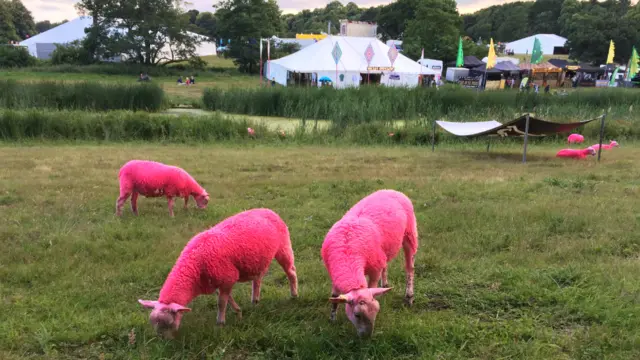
x=261, y=74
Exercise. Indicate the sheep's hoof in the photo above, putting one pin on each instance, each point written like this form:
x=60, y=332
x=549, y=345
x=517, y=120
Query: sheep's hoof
x=220, y=323
x=408, y=300
x=332, y=318
x=239, y=315
x=255, y=302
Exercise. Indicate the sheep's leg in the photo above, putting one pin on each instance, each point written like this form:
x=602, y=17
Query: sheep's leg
x=235, y=307
x=120, y=203
x=284, y=257
x=409, y=265
x=374, y=278
x=134, y=203
x=255, y=291
x=186, y=201
x=385, y=280
x=223, y=299
x=171, y=201
x=334, y=306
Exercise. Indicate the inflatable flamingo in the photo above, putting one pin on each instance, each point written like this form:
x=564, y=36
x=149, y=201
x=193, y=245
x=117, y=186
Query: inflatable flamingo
x=612, y=144
x=575, y=138
x=576, y=154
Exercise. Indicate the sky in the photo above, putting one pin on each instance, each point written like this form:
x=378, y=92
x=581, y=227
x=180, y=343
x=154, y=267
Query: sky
x=58, y=10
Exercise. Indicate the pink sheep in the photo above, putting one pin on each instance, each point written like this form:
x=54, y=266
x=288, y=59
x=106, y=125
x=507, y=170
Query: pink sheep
x=154, y=179
x=361, y=244
x=251, y=132
x=576, y=154
x=575, y=138
x=611, y=145
x=238, y=249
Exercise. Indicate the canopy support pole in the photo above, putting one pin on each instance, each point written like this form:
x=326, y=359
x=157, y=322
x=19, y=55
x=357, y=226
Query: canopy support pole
x=604, y=116
x=526, y=140
x=488, y=144
x=433, y=137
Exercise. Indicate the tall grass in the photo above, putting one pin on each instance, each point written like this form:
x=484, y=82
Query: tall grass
x=368, y=104
x=137, y=126
x=80, y=96
x=126, y=69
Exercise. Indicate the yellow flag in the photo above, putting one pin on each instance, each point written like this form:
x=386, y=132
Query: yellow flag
x=612, y=50
x=491, y=59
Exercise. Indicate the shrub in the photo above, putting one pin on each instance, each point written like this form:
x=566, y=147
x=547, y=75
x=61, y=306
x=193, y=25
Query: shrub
x=73, y=53
x=81, y=96
x=15, y=57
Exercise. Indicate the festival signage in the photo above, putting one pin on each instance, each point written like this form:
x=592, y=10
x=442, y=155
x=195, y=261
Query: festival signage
x=380, y=68
x=368, y=54
x=393, y=53
x=336, y=53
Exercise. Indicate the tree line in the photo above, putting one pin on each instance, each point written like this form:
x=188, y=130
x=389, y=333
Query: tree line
x=143, y=26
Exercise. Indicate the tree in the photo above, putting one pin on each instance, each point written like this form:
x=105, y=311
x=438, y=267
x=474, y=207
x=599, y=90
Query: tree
x=394, y=17
x=140, y=29
x=591, y=25
x=436, y=28
x=15, y=56
x=193, y=15
x=543, y=17
x=7, y=28
x=42, y=26
x=207, y=23
x=245, y=22
x=506, y=22
x=22, y=20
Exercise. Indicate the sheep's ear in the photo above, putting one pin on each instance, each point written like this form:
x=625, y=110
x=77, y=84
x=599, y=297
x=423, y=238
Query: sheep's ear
x=177, y=308
x=340, y=299
x=149, y=304
x=375, y=292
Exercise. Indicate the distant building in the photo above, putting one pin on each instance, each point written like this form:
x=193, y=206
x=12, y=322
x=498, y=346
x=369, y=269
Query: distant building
x=551, y=44
x=358, y=28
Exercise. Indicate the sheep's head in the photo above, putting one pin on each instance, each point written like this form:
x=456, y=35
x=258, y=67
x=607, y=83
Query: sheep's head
x=591, y=151
x=165, y=318
x=202, y=200
x=362, y=308
x=614, y=143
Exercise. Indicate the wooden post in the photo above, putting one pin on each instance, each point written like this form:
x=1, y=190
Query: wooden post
x=526, y=140
x=604, y=116
x=488, y=144
x=433, y=137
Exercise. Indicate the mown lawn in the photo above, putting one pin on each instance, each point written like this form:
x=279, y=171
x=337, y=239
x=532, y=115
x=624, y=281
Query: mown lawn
x=536, y=261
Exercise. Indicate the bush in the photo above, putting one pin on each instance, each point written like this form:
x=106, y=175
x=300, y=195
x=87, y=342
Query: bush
x=73, y=53
x=81, y=96
x=127, y=69
x=15, y=57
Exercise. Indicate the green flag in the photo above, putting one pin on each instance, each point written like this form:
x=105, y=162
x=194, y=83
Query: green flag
x=633, y=63
x=460, y=59
x=613, y=77
x=536, y=53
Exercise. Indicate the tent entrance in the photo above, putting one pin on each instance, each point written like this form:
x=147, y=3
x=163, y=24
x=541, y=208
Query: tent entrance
x=373, y=79
x=301, y=79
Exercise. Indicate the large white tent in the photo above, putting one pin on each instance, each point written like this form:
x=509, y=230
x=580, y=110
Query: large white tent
x=317, y=59
x=547, y=42
x=43, y=44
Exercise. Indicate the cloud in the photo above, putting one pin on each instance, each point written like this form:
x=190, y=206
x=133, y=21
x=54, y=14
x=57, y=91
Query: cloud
x=58, y=10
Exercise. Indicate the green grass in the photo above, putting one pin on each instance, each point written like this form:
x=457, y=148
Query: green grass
x=80, y=96
x=370, y=104
x=536, y=261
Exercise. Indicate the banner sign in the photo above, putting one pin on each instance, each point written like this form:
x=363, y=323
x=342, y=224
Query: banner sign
x=380, y=68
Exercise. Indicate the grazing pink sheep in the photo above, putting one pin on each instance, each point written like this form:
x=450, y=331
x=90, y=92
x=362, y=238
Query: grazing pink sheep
x=575, y=139
x=154, y=179
x=576, y=154
x=238, y=249
x=611, y=145
x=251, y=132
x=363, y=242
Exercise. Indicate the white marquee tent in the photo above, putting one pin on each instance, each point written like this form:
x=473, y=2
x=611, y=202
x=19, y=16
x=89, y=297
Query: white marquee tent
x=547, y=43
x=43, y=44
x=317, y=59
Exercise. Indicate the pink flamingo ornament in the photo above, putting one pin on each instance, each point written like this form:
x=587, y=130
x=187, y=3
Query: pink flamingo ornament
x=575, y=139
x=575, y=153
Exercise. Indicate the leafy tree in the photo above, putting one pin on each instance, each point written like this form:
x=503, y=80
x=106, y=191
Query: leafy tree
x=22, y=20
x=394, y=17
x=436, y=28
x=7, y=28
x=193, y=15
x=42, y=26
x=506, y=22
x=245, y=22
x=543, y=17
x=207, y=23
x=140, y=29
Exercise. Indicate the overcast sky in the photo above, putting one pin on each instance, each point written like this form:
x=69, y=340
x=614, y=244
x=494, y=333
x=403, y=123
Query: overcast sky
x=58, y=10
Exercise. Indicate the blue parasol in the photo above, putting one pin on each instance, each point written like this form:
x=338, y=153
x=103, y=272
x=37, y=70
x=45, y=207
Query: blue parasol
x=324, y=78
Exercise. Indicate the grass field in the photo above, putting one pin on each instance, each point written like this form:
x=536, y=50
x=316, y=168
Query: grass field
x=536, y=261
